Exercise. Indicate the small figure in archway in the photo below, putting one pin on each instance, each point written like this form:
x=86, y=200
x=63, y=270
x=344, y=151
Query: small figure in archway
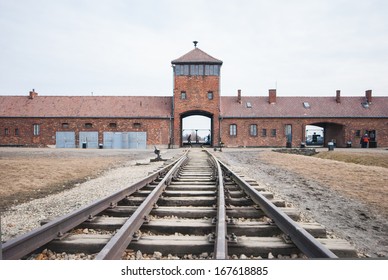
x=208, y=140
x=364, y=141
x=315, y=138
x=189, y=140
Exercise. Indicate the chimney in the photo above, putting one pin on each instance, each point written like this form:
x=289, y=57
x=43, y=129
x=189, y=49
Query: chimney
x=272, y=96
x=338, y=96
x=239, y=96
x=33, y=94
x=368, y=95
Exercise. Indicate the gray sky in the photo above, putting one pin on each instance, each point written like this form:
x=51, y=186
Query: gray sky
x=118, y=47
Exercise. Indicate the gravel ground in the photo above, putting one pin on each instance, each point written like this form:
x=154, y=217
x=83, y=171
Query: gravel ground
x=27, y=216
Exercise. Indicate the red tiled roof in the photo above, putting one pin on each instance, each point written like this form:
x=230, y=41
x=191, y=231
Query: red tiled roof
x=155, y=106
x=196, y=56
x=85, y=106
x=293, y=107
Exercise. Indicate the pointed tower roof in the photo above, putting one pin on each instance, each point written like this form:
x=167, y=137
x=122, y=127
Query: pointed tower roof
x=196, y=56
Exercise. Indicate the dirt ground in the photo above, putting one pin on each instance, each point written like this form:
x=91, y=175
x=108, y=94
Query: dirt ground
x=30, y=173
x=349, y=198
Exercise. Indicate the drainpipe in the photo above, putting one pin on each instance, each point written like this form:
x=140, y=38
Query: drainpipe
x=170, y=134
x=219, y=130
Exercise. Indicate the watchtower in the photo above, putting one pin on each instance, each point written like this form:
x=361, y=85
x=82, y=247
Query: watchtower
x=196, y=91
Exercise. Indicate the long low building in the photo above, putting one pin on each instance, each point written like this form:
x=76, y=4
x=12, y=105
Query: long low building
x=148, y=121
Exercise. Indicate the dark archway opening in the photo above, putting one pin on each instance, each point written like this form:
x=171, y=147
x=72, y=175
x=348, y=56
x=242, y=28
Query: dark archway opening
x=196, y=128
x=331, y=132
x=315, y=136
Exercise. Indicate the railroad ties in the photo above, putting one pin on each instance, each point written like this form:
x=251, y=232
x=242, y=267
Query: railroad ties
x=184, y=213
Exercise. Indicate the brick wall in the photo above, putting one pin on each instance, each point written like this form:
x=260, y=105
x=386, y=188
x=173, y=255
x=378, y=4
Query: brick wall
x=19, y=131
x=339, y=130
x=158, y=130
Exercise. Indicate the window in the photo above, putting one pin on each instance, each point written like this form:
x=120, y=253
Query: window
x=273, y=132
x=253, y=130
x=36, y=129
x=88, y=125
x=207, y=69
x=210, y=95
x=183, y=95
x=358, y=133
x=65, y=125
x=194, y=70
x=200, y=70
x=249, y=105
x=6, y=131
x=306, y=105
x=185, y=70
x=113, y=125
x=233, y=130
x=16, y=131
x=264, y=132
x=136, y=125
x=216, y=70
x=211, y=70
x=197, y=70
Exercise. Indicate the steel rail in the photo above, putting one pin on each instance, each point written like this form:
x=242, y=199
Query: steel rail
x=221, y=243
x=116, y=246
x=27, y=243
x=299, y=236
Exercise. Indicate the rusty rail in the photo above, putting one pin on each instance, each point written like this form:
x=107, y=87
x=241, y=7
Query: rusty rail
x=116, y=246
x=221, y=243
x=27, y=243
x=299, y=236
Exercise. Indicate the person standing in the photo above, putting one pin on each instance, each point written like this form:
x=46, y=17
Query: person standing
x=364, y=141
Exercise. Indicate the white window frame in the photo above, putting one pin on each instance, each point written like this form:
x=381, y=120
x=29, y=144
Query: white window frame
x=253, y=130
x=36, y=129
x=233, y=130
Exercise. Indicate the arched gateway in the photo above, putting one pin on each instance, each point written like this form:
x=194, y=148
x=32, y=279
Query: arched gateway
x=196, y=92
x=198, y=125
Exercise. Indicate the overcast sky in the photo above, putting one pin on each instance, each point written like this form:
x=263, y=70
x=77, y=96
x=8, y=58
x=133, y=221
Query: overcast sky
x=125, y=47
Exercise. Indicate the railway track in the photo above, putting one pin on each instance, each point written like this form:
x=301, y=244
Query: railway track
x=194, y=206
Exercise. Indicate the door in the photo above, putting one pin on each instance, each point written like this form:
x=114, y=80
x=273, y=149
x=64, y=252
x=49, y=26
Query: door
x=65, y=139
x=288, y=132
x=137, y=140
x=90, y=138
x=108, y=140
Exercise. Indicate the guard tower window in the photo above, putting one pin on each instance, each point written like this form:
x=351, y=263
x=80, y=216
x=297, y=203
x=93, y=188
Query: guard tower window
x=197, y=70
x=183, y=95
x=194, y=70
x=210, y=95
x=185, y=69
x=200, y=70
